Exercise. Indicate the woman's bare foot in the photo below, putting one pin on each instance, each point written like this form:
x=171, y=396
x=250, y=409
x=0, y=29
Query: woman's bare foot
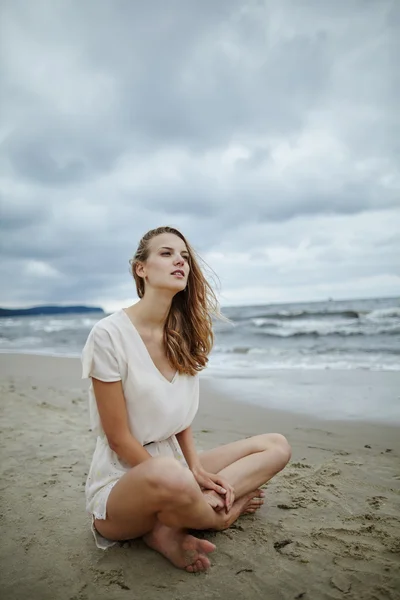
x=224, y=520
x=255, y=502
x=183, y=550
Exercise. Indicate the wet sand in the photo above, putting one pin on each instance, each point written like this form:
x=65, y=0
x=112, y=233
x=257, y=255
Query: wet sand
x=330, y=527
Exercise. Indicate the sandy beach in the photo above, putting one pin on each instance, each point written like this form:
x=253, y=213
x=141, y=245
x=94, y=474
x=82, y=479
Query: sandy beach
x=330, y=527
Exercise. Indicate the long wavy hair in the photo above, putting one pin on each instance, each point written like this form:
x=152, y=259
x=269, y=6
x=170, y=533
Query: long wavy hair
x=188, y=333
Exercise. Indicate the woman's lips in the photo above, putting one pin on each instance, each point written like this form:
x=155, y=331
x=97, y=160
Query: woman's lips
x=178, y=273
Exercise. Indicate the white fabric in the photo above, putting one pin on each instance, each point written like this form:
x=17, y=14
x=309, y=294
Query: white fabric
x=157, y=409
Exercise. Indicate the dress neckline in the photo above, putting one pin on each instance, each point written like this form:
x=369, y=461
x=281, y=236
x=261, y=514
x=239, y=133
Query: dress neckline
x=148, y=353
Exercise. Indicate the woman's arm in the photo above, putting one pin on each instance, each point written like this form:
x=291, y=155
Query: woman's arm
x=208, y=481
x=114, y=419
x=186, y=442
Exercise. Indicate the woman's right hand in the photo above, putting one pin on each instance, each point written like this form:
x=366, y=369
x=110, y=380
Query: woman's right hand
x=216, y=501
x=211, y=481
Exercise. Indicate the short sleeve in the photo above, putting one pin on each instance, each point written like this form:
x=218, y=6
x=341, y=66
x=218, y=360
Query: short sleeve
x=99, y=358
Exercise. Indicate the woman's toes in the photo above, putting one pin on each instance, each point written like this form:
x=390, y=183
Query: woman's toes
x=257, y=501
x=196, y=566
x=204, y=561
x=206, y=546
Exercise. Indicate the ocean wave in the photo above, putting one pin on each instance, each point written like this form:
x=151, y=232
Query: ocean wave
x=253, y=350
x=384, y=313
x=57, y=325
x=360, y=333
x=301, y=314
x=262, y=318
x=23, y=343
x=262, y=321
x=231, y=349
x=314, y=333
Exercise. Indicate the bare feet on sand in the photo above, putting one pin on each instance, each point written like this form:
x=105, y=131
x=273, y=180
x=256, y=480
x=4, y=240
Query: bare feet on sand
x=188, y=552
x=183, y=550
x=253, y=502
x=256, y=501
x=246, y=503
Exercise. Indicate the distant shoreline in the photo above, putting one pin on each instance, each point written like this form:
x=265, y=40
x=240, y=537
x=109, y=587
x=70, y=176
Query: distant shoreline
x=49, y=310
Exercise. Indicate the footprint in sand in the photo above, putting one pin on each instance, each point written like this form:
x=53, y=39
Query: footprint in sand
x=328, y=471
x=295, y=470
x=281, y=544
x=112, y=577
x=342, y=542
x=376, y=501
x=294, y=503
x=292, y=549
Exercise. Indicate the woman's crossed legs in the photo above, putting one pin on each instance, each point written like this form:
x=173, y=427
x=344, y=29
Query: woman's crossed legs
x=159, y=499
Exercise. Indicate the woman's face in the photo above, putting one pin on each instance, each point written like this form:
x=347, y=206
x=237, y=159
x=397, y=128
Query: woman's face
x=167, y=266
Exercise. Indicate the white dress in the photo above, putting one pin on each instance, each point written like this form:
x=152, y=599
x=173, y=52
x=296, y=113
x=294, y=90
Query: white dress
x=157, y=408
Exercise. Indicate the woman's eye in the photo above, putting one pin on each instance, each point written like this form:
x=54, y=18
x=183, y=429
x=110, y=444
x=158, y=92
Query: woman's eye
x=166, y=253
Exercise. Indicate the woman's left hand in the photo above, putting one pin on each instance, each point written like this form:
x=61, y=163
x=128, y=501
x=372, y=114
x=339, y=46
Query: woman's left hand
x=210, y=481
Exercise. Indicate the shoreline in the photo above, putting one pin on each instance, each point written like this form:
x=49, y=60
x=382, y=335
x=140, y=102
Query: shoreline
x=329, y=528
x=281, y=387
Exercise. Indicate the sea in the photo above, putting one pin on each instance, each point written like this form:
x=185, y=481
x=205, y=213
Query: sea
x=346, y=334
x=289, y=339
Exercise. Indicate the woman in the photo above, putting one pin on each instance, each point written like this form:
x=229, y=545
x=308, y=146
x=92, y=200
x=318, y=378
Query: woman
x=146, y=478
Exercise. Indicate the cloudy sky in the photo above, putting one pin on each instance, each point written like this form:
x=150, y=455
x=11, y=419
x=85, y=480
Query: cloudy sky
x=267, y=131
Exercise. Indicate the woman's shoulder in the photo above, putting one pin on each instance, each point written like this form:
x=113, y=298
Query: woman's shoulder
x=101, y=355
x=108, y=323
x=106, y=329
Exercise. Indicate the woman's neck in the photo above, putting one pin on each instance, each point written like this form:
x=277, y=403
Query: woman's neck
x=152, y=310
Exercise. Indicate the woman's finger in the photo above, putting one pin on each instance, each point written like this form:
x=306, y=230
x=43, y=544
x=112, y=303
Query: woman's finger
x=218, y=488
x=221, y=484
x=230, y=497
x=228, y=489
x=216, y=485
x=209, y=484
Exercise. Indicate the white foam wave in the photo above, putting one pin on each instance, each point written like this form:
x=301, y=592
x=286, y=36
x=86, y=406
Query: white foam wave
x=384, y=313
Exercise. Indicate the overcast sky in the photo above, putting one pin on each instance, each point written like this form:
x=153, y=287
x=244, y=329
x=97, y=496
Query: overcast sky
x=267, y=131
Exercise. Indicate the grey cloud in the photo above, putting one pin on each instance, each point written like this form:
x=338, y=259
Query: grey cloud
x=56, y=153
x=174, y=85
x=17, y=218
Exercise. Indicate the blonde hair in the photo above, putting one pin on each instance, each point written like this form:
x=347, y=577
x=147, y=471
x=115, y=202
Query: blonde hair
x=188, y=333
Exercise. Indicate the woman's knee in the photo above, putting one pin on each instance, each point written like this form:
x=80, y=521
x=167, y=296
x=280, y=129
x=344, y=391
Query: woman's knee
x=281, y=447
x=278, y=444
x=169, y=479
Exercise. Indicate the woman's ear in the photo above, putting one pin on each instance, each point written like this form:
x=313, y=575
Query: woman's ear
x=140, y=270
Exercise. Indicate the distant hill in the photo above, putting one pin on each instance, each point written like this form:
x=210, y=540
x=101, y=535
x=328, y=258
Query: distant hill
x=49, y=310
